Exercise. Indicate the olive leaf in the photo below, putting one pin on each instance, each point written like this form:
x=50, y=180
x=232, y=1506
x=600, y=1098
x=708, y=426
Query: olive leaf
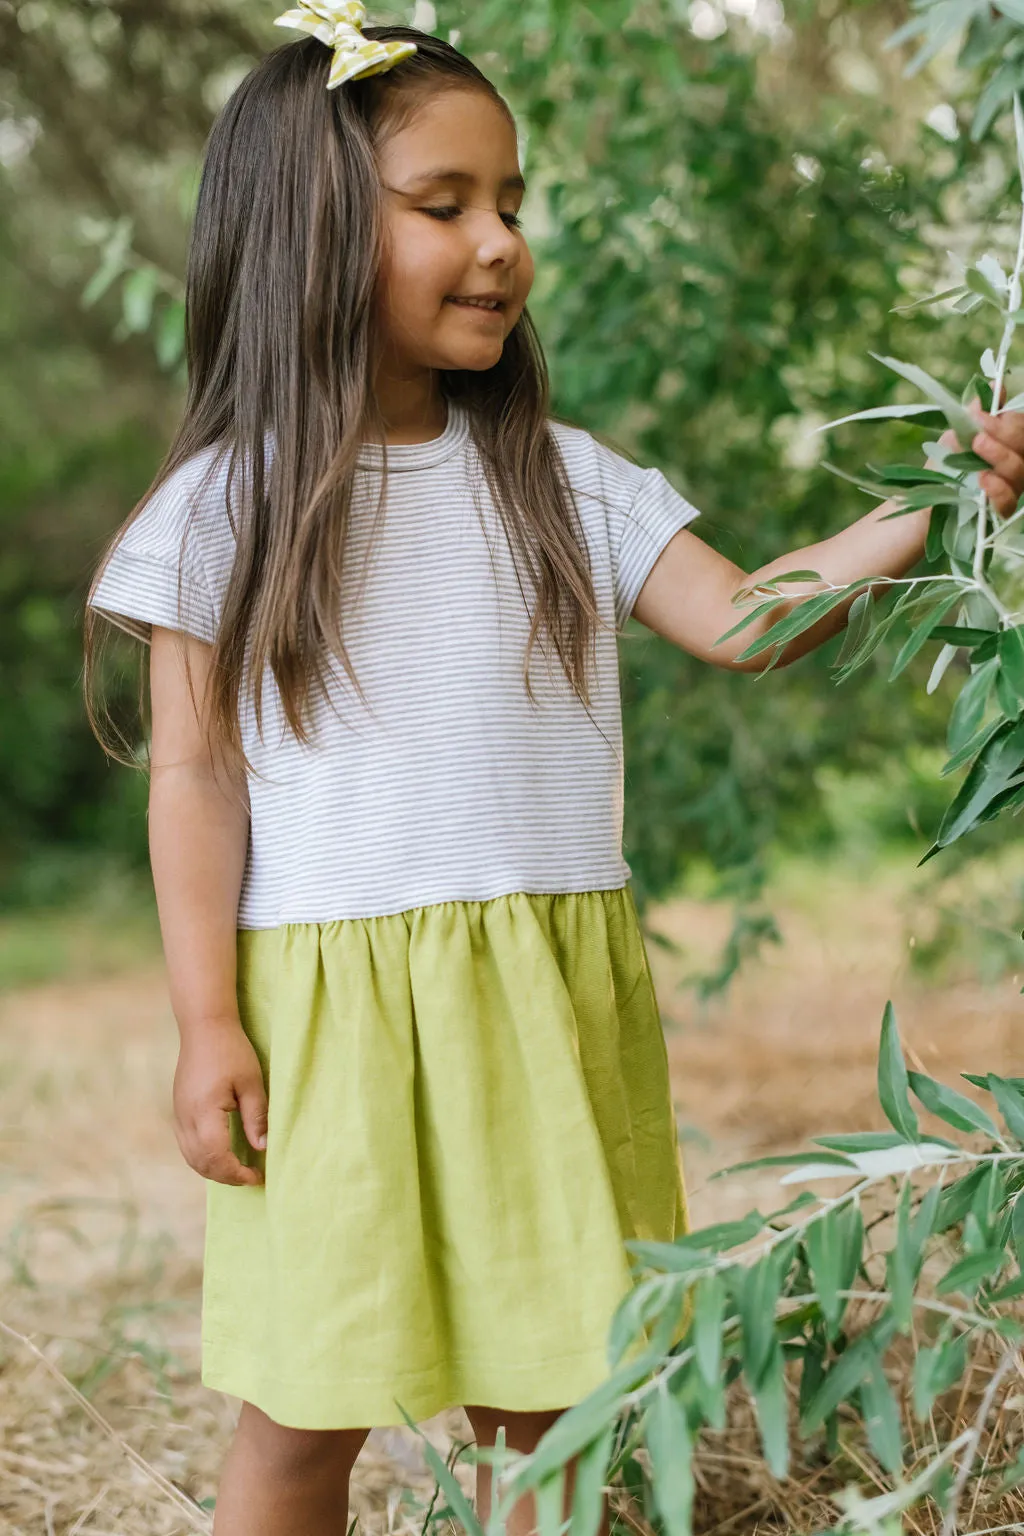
x=961, y=422
x=893, y=1083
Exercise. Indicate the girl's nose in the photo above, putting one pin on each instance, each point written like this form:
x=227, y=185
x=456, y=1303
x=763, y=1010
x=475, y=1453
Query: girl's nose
x=497, y=242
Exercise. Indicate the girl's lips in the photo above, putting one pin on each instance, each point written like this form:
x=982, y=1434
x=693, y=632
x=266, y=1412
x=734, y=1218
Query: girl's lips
x=477, y=309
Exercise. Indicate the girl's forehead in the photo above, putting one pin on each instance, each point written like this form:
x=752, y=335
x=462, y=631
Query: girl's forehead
x=464, y=132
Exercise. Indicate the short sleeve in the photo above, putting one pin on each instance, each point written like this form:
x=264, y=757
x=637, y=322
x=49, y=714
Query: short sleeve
x=629, y=514
x=171, y=563
x=655, y=515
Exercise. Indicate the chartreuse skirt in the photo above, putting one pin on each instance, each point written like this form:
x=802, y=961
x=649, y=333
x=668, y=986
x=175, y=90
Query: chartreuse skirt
x=469, y=1111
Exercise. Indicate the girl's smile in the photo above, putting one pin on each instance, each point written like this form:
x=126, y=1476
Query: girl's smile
x=492, y=307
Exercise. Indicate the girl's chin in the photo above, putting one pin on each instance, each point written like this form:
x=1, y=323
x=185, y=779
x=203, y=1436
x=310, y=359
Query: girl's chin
x=474, y=359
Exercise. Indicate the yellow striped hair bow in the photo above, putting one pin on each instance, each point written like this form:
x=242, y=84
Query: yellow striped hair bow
x=338, y=23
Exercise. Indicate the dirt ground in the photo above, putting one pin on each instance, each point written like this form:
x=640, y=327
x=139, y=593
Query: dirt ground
x=101, y=1223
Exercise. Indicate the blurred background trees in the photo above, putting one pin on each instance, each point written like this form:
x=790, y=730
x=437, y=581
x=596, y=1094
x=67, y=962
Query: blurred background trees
x=728, y=198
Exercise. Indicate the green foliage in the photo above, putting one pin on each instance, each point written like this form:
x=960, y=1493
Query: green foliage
x=815, y=1298
x=62, y=811
x=85, y=151
x=893, y=1082
x=668, y=1439
x=984, y=555
x=151, y=299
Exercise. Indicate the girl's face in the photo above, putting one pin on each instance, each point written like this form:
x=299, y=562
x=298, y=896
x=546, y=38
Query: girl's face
x=453, y=192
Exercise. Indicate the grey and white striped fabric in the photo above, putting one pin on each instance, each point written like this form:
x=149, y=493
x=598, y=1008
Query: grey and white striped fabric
x=447, y=784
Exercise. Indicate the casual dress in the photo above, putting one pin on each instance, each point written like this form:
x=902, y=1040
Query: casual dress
x=440, y=965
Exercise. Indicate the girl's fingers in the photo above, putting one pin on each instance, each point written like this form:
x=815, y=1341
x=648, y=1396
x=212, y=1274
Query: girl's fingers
x=1003, y=497
x=1007, y=426
x=226, y=1169
x=207, y=1149
x=1005, y=486
x=1001, y=435
x=252, y=1106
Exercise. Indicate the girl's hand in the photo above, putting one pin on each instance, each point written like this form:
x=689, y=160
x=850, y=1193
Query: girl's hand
x=218, y=1071
x=1000, y=441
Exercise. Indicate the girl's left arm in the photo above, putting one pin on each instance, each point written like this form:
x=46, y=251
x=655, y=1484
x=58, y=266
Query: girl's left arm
x=688, y=596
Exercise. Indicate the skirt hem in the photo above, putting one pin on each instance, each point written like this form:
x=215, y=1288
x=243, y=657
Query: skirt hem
x=369, y=1405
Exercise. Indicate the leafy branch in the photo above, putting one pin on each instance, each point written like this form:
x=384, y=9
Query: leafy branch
x=974, y=609
x=151, y=298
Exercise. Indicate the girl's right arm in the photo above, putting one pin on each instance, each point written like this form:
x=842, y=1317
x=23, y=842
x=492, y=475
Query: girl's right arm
x=198, y=837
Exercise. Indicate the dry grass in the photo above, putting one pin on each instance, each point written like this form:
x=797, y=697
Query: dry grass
x=737, y=1492
x=101, y=1222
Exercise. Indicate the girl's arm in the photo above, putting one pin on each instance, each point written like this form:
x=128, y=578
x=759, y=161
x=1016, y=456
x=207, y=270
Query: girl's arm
x=688, y=596
x=198, y=837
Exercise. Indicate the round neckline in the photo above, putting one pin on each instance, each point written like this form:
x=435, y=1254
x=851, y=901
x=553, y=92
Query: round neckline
x=404, y=456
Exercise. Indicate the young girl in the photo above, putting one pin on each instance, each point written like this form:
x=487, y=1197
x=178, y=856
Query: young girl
x=421, y=1062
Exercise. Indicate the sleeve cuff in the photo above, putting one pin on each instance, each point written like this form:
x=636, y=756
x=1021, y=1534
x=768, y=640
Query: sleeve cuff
x=136, y=592
x=656, y=516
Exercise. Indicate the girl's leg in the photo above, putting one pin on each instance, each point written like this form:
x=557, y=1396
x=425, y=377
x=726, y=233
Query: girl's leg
x=285, y=1482
x=522, y=1432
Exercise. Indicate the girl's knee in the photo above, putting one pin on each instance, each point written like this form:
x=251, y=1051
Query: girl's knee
x=299, y=1452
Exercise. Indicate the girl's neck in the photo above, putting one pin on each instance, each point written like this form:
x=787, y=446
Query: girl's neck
x=414, y=410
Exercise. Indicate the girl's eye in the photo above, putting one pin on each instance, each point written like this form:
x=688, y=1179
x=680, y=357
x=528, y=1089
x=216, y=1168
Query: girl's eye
x=446, y=214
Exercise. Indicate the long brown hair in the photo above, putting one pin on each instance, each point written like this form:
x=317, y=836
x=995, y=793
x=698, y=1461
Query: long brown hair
x=281, y=339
